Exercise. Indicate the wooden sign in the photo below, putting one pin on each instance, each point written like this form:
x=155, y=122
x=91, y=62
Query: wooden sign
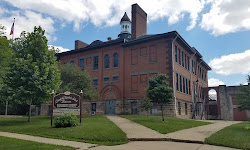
x=66, y=103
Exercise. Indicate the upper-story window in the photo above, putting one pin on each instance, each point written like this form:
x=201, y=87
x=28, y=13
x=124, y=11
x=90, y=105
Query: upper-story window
x=115, y=60
x=95, y=59
x=179, y=56
x=82, y=63
x=175, y=53
x=106, y=61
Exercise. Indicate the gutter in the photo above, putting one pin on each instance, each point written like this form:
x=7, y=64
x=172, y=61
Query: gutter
x=173, y=73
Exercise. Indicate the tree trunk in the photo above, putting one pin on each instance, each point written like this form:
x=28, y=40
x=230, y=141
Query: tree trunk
x=29, y=118
x=6, y=108
x=162, y=112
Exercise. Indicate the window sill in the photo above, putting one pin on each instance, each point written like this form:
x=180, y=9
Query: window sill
x=95, y=70
x=153, y=62
x=144, y=83
x=143, y=56
x=133, y=65
x=134, y=91
x=115, y=67
x=106, y=68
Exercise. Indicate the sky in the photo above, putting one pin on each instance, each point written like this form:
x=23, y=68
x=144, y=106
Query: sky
x=218, y=29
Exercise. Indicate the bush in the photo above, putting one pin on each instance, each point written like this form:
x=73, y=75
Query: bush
x=66, y=120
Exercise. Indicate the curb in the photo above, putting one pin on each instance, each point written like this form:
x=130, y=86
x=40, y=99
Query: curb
x=166, y=139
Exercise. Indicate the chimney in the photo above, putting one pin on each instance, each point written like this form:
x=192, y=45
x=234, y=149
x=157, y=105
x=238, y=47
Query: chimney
x=79, y=44
x=139, y=21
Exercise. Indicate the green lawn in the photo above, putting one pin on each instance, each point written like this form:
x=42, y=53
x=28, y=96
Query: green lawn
x=169, y=125
x=233, y=136
x=16, y=144
x=94, y=129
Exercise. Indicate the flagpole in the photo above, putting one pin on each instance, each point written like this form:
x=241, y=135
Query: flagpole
x=13, y=29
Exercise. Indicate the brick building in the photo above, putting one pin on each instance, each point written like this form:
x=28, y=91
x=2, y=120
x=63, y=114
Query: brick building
x=121, y=68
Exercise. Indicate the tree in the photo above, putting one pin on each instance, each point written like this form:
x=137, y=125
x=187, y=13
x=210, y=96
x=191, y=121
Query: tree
x=159, y=91
x=74, y=79
x=5, y=58
x=243, y=97
x=146, y=104
x=33, y=71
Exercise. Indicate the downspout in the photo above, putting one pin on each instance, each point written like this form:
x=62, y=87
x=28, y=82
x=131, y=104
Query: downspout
x=174, y=74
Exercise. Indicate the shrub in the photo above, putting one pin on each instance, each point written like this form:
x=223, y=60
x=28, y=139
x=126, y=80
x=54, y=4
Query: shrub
x=66, y=120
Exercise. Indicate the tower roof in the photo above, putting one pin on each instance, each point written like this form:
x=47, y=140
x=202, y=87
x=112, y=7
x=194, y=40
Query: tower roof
x=125, y=17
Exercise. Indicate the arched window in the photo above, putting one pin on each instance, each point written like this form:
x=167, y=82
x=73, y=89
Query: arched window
x=125, y=26
x=72, y=62
x=115, y=60
x=106, y=61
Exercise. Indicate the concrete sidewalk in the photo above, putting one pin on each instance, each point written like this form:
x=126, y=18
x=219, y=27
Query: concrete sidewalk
x=79, y=145
x=161, y=145
x=136, y=131
x=199, y=134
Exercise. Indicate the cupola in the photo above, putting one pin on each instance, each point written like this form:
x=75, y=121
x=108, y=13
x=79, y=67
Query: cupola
x=125, y=27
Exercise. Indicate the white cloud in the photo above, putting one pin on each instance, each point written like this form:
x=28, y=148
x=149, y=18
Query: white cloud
x=25, y=21
x=61, y=49
x=227, y=16
x=215, y=82
x=238, y=63
x=109, y=12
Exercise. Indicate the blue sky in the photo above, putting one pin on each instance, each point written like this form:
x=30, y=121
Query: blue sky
x=218, y=29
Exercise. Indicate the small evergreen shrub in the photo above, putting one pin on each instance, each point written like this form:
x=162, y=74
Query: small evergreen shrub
x=66, y=120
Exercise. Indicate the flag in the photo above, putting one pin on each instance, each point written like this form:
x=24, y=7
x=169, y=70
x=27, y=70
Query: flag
x=12, y=29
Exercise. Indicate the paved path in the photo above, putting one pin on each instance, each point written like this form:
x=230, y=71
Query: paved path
x=161, y=145
x=199, y=134
x=135, y=130
x=79, y=145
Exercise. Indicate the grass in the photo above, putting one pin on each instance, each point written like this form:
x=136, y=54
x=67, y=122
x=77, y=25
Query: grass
x=16, y=144
x=233, y=136
x=169, y=125
x=94, y=129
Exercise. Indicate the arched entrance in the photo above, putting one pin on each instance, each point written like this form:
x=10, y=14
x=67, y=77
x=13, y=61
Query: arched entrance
x=110, y=94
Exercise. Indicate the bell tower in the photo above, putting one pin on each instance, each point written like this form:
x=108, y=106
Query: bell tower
x=125, y=27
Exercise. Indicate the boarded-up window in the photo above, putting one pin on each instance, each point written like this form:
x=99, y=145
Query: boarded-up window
x=88, y=61
x=134, y=56
x=134, y=83
x=143, y=51
x=152, y=53
x=143, y=78
x=152, y=75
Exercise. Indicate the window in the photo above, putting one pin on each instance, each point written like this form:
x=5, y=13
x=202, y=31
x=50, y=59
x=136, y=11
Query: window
x=199, y=71
x=202, y=74
x=177, y=83
x=182, y=58
x=179, y=108
x=82, y=63
x=152, y=53
x=187, y=86
x=72, y=62
x=95, y=67
x=115, y=60
x=185, y=61
x=179, y=56
x=185, y=108
x=176, y=54
x=134, y=82
x=184, y=91
x=188, y=62
x=180, y=84
x=106, y=61
x=194, y=68
x=205, y=78
x=65, y=62
x=95, y=83
x=143, y=78
x=134, y=57
x=106, y=79
x=115, y=78
x=143, y=51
